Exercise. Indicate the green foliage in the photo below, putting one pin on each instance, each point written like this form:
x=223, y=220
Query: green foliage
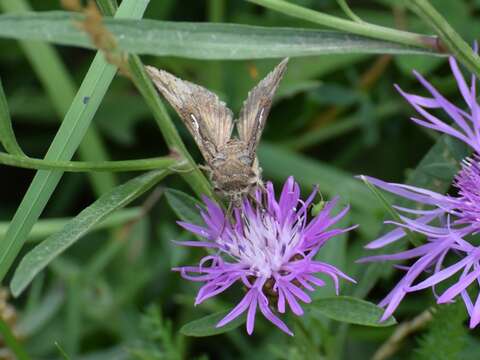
x=351, y=310
x=198, y=41
x=159, y=341
x=207, y=326
x=335, y=115
x=446, y=336
x=45, y=252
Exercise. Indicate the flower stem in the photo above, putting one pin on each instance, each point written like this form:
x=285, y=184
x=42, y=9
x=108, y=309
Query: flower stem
x=451, y=39
x=89, y=166
x=355, y=27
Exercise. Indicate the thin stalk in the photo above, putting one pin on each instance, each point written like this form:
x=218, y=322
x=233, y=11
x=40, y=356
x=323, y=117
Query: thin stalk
x=73, y=316
x=61, y=88
x=89, y=166
x=216, y=10
x=348, y=11
x=11, y=341
x=195, y=177
x=360, y=28
x=450, y=38
x=107, y=7
x=64, y=145
x=216, y=13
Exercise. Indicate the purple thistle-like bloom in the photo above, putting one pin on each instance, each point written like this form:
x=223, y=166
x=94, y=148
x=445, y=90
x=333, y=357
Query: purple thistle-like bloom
x=449, y=222
x=269, y=248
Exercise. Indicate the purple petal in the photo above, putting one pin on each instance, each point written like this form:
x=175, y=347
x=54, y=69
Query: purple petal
x=239, y=309
x=251, y=315
x=441, y=275
x=461, y=285
x=263, y=303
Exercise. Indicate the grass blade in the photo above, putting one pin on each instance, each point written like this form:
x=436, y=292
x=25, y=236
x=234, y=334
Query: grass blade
x=37, y=259
x=7, y=136
x=68, y=138
x=11, y=341
x=199, y=40
x=61, y=88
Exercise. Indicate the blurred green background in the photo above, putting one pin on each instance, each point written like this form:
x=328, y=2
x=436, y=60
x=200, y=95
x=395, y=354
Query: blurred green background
x=113, y=296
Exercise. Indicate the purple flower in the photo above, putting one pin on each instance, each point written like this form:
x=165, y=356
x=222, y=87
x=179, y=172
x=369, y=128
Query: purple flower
x=449, y=222
x=269, y=248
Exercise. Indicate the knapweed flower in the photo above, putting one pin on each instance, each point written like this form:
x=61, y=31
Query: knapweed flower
x=269, y=249
x=449, y=222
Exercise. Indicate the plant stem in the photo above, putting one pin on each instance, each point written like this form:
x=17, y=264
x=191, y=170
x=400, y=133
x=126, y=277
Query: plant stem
x=360, y=28
x=89, y=166
x=450, y=38
x=61, y=88
x=216, y=10
x=11, y=341
x=64, y=145
x=195, y=177
x=346, y=9
x=401, y=332
x=107, y=7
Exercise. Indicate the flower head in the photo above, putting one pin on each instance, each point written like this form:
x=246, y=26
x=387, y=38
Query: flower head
x=269, y=248
x=449, y=222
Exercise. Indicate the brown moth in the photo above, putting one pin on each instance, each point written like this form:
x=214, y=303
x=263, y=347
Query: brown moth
x=232, y=162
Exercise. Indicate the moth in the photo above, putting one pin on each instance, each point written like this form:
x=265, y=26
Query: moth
x=231, y=161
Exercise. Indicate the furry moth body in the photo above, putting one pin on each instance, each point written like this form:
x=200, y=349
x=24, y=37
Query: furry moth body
x=231, y=161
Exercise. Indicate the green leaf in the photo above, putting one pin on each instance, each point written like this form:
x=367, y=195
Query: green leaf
x=64, y=145
x=7, y=137
x=60, y=86
x=185, y=207
x=38, y=258
x=446, y=336
x=12, y=342
x=351, y=310
x=206, y=326
x=198, y=40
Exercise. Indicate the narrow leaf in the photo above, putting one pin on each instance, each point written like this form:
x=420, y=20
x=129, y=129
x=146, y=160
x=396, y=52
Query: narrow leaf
x=60, y=87
x=206, y=326
x=198, y=40
x=7, y=137
x=38, y=258
x=351, y=310
x=64, y=145
x=185, y=207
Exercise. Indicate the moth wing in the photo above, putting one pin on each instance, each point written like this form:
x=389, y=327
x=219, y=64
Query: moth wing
x=255, y=109
x=207, y=118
